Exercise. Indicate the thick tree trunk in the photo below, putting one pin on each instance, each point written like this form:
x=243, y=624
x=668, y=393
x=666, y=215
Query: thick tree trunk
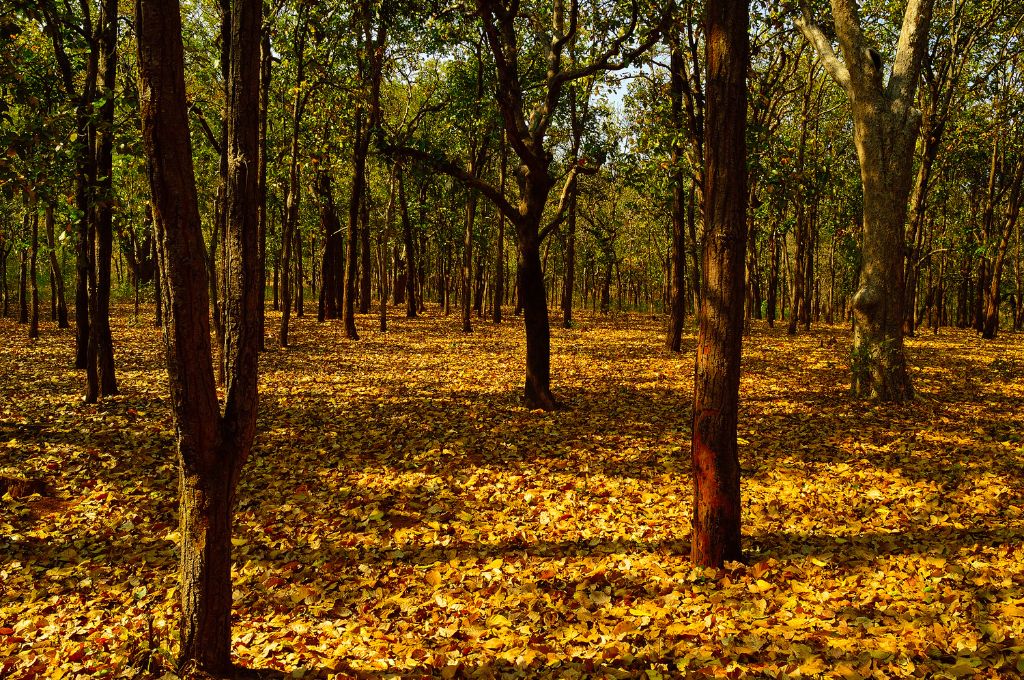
x=212, y=447
x=716, y=470
x=885, y=146
x=538, y=332
x=332, y=263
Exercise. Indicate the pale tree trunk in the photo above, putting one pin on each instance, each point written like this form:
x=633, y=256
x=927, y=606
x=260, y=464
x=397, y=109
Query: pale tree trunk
x=885, y=133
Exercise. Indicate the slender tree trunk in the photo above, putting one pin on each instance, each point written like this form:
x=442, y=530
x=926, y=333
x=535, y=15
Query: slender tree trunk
x=290, y=223
x=411, y=266
x=716, y=470
x=992, y=297
x=56, y=275
x=467, y=262
x=365, y=265
x=773, y=276
x=499, y=258
x=266, y=59
x=33, y=327
x=352, y=240
x=101, y=345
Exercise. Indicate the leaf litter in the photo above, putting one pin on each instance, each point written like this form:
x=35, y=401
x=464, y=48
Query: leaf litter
x=405, y=515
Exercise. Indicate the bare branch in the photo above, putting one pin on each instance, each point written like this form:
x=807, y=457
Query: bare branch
x=444, y=165
x=814, y=35
x=910, y=51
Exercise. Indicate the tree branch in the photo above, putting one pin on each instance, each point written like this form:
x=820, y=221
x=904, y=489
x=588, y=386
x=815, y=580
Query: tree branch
x=814, y=35
x=443, y=165
x=910, y=51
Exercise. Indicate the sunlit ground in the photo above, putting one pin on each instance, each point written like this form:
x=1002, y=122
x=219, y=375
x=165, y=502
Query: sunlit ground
x=404, y=515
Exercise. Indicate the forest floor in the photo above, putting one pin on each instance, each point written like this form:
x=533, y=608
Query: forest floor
x=404, y=515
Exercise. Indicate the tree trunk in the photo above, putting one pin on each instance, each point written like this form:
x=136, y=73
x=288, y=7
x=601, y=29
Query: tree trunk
x=992, y=297
x=266, y=59
x=411, y=265
x=885, y=146
x=101, y=345
x=885, y=134
x=467, y=262
x=212, y=447
x=716, y=470
x=538, y=332
x=33, y=327
x=56, y=275
x=352, y=240
x=290, y=223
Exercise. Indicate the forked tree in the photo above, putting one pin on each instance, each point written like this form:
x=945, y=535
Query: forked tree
x=213, y=439
x=885, y=130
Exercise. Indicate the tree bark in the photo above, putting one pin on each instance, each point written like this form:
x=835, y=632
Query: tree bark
x=716, y=471
x=212, y=446
x=101, y=345
x=885, y=133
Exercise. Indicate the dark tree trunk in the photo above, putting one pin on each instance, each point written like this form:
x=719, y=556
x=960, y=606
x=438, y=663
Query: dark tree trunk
x=538, y=332
x=992, y=294
x=332, y=263
x=266, y=59
x=499, y=258
x=716, y=471
x=352, y=240
x=212, y=447
x=411, y=265
x=101, y=344
x=33, y=326
x=56, y=275
x=23, y=281
x=677, y=271
x=365, y=264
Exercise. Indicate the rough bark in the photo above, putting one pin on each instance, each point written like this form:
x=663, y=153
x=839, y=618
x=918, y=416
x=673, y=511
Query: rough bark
x=212, y=445
x=716, y=471
x=885, y=132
